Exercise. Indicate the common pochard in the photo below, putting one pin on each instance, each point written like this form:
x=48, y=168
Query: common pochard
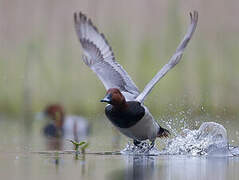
x=60, y=125
x=125, y=107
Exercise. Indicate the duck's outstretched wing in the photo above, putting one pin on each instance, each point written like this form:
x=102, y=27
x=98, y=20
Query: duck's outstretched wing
x=174, y=59
x=99, y=56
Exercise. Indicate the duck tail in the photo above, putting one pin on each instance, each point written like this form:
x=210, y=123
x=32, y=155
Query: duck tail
x=163, y=133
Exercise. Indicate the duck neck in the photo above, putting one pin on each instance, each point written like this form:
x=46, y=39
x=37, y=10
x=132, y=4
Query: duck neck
x=59, y=121
x=121, y=106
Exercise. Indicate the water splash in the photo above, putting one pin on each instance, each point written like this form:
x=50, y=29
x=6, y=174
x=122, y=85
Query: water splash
x=144, y=149
x=209, y=139
x=234, y=150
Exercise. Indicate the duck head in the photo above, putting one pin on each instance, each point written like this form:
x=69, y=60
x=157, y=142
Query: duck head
x=114, y=97
x=56, y=113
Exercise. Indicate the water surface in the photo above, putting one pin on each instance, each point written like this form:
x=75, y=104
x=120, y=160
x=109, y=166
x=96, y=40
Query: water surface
x=26, y=154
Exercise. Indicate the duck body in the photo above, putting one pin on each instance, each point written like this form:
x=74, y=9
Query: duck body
x=50, y=130
x=135, y=121
x=71, y=127
x=127, y=117
x=132, y=118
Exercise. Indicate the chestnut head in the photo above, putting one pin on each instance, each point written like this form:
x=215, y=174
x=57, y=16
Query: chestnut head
x=114, y=97
x=56, y=113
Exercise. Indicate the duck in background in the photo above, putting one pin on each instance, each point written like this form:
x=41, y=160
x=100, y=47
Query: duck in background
x=60, y=125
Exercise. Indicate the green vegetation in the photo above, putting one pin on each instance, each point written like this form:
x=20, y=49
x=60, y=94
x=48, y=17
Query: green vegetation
x=82, y=145
x=40, y=59
x=79, y=145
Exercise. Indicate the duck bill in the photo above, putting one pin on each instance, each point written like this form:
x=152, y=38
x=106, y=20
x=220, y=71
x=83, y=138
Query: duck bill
x=107, y=98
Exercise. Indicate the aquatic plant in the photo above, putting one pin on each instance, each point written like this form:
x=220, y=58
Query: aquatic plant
x=79, y=145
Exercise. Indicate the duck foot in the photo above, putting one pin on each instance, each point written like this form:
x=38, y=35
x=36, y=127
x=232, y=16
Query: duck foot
x=137, y=143
x=143, y=146
x=152, y=145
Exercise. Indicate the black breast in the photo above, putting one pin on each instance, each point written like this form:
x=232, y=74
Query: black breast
x=52, y=131
x=125, y=118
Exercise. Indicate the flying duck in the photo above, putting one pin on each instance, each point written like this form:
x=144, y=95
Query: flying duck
x=125, y=107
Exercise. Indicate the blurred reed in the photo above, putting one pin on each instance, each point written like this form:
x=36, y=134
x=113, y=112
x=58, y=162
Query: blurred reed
x=40, y=56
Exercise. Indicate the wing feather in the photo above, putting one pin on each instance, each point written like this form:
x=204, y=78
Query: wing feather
x=174, y=59
x=99, y=56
